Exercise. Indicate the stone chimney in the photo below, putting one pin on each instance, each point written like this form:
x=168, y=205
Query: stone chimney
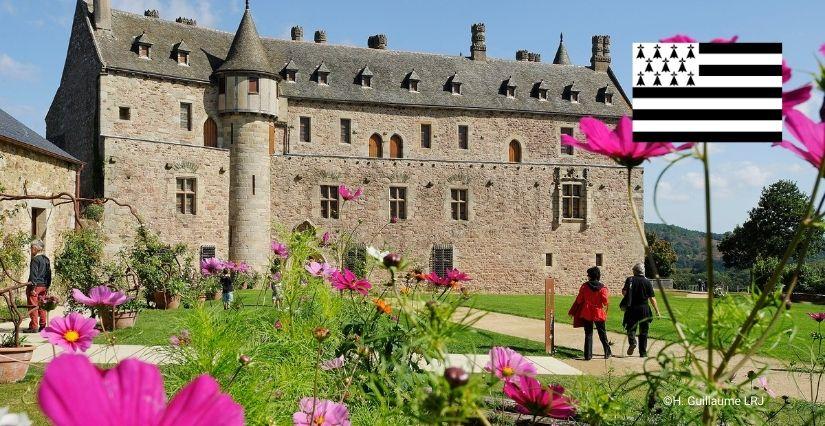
x=600, y=61
x=151, y=13
x=297, y=33
x=478, y=50
x=533, y=57
x=186, y=21
x=320, y=36
x=103, y=14
x=522, y=55
x=378, y=41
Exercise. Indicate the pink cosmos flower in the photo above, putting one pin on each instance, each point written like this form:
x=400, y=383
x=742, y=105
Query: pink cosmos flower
x=810, y=134
x=532, y=398
x=75, y=392
x=319, y=269
x=437, y=280
x=280, y=249
x=325, y=239
x=763, y=383
x=333, y=364
x=100, y=296
x=682, y=38
x=348, y=194
x=73, y=333
x=618, y=144
x=325, y=413
x=211, y=266
x=278, y=325
x=506, y=363
x=457, y=277
x=818, y=317
x=276, y=277
x=241, y=267
x=792, y=98
x=822, y=49
x=346, y=280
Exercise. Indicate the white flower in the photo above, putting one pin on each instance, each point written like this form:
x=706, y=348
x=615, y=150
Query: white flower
x=376, y=254
x=13, y=419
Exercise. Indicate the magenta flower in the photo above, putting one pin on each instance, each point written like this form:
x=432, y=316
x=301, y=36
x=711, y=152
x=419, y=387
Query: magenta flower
x=100, y=296
x=348, y=194
x=346, y=280
x=822, y=49
x=532, y=398
x=457, y=277
x=278, y=325
x=240, y=267
x=75, y=392
x=275, y=277
x=280, y=249
x=810, y=134
x=325, y=239
x=73, y=333
x=792, y=98
x=211, y=266
x=333, y=364
x=818, y=317
x=618, y=144
x=763, y=383
x=506, y=363
x=394, y=219
x=437, y=280
x=319, y=269
x=682, y=38
x=318, y=412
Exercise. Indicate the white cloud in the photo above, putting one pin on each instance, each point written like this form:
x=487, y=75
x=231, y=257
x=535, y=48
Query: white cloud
x=667, y=192
x=750, y=174
x=16, y=70
x=720, y=185
x=8, y=7
x=201, y=10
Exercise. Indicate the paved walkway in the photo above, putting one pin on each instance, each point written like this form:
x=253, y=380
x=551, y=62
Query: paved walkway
x=781, y=381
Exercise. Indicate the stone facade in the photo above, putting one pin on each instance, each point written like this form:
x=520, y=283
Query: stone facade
x=23, y=170
x=262, y=172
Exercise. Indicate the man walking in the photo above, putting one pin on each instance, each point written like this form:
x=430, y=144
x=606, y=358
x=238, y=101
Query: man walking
x=638, y=290
x=40, y=278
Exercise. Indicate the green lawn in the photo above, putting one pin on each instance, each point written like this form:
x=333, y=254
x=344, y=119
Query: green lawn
x=154, y=327
x=689, y=311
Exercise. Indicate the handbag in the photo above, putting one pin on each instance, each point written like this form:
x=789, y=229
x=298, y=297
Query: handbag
x=627, y=298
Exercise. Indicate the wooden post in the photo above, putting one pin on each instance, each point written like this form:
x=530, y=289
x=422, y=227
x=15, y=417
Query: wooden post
x=549, y=315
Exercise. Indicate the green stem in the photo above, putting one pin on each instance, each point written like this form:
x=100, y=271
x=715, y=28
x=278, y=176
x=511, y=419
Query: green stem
x=708, y=257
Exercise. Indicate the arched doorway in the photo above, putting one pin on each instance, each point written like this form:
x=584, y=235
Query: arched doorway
x=375, y=146
x=396, y=147
x=210, y=133
x=514, y=152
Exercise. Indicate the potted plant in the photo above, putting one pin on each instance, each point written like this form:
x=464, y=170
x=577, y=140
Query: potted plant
x=125, y=315
x=169, y=296
x=14, y=356
x=14, y=353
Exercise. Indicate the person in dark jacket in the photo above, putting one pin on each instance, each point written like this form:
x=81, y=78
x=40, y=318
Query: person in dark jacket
x=227, y=289
x=591, y=308
x=40, y=278
x=638, y=290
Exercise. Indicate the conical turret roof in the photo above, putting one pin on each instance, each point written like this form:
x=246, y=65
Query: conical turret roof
x=247, y=53
x=561, y=53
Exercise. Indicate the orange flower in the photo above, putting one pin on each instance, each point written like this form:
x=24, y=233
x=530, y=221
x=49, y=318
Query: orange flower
x=382, y=306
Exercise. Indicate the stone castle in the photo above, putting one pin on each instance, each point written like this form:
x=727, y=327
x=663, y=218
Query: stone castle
x=215, y=136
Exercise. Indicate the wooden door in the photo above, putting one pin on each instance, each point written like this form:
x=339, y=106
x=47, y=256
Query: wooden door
x=210, y=133
x=396, y=147
x=514, y=152
x=375, y=146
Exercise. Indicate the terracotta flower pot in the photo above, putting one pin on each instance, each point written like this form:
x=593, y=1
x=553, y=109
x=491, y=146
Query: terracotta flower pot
x=122, y=319
x=214, y=296
x=14, y=363
x=201, y=298
x=164, y=300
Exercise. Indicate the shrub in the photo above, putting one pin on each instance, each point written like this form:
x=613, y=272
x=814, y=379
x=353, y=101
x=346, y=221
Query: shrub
x=158, y=265
x=93, y=212
x=80, y=262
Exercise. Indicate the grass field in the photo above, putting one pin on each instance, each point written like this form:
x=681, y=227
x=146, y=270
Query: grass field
x=690, y=311
x=154, y=327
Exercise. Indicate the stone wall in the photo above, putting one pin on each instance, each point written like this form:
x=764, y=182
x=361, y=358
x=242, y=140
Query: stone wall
x=144, y=174
x=71, y=122
x=512, y=222
x=490, y=132
x=24, y=170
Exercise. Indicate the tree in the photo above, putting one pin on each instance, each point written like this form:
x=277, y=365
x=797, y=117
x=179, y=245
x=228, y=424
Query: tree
x=770, y=227
x=663, y=254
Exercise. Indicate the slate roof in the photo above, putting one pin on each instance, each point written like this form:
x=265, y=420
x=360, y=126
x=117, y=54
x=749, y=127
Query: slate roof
x=17, y=133
x=246, y=52
x=482, y=79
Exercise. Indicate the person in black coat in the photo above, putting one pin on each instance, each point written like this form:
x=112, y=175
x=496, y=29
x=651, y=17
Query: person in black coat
x=638, y=290
x=40, y=278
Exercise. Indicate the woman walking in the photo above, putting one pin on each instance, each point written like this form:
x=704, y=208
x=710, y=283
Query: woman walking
x=590, y=309
x=637, y=316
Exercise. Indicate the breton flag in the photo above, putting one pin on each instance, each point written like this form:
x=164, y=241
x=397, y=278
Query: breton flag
x=707, y=92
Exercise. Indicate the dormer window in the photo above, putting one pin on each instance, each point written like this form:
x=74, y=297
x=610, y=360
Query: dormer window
x=542, y=94
x=605, y=95
x=365, y=77
x=253, y=85
x=322, y=75
x=182, y=51
x=509, y=87
x=574, y=96
x=540, y=91
x=608, y=99
x=143, y=46
x=454, y=84
x=571, y=93
x=290, y=72
x=412, y=81
x=511, y=92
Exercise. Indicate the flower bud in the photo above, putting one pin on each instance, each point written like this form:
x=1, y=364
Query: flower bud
x=456, y=376
x=392, y=260
x=278, y=325
x=244, y=359
x=320, y=333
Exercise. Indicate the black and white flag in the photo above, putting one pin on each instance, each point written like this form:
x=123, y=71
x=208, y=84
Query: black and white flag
x=707, y=92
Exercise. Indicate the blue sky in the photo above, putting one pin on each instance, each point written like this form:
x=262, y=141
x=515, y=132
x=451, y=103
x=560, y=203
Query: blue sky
x=35, y=35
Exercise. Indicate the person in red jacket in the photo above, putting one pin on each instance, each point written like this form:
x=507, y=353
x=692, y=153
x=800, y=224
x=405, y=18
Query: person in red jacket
x=590, y=308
